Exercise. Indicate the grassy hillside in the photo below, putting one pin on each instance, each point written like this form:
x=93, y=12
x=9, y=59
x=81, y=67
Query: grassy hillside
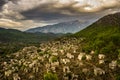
x=102, y=36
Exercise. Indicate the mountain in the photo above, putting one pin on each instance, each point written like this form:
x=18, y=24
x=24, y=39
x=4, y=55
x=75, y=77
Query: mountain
x=12, y=40
x=65, y=27
x=91, y=54
x=111, y=21
x=103, y=36
x=12, y=35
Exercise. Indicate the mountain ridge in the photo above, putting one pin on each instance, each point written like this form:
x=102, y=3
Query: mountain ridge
x=111, y=19
x=20, y=34
x=106, y=21
x=11, y=40
x=64, y=27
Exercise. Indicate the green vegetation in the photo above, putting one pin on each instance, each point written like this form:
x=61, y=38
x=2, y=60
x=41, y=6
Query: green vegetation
x=6, y=48
x=54, y=59
x=50, y=76
x=13, y=40
x=102, y=37
x=11, y=35
x=84, y=58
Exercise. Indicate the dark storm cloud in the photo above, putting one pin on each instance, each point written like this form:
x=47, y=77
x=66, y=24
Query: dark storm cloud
x=56, y=10
x=2, y=2
x=47, y=12
x=35, y=12
x=40, y=14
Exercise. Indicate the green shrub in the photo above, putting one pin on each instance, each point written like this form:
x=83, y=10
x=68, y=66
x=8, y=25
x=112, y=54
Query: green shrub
x=119, y=53
x=54, y=59
x=41, y=53
x=118, y=61
x=109, y=48
x=84, y=58
x=50, y=76
x=117, y=77
x=98, y=44
x=96, y=52
x=86, y=48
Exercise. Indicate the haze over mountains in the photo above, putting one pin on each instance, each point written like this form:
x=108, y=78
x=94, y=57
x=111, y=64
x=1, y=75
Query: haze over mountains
x=16, y=39
x=64, y=27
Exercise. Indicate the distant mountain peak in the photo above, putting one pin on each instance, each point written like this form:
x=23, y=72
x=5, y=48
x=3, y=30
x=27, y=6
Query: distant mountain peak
x=63, y=27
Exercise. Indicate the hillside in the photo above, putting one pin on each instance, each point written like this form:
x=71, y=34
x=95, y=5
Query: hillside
x=12, y=35
x=91, y=54
x=109, y=21
x=64, y=27
x=12, y=40
x=103, y=35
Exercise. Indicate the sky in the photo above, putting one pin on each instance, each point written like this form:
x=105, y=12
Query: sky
x=25, y=14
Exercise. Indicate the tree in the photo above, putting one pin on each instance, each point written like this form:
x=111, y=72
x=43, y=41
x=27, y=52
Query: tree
x=50, y=76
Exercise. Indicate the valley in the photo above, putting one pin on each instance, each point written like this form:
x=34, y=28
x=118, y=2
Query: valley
x=90, y=54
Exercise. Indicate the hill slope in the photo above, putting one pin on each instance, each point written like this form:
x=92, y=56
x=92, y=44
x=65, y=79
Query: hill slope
x=109, y=21
x=103, y=34
x=12, y=35
x=12, y=40
x=65, y=27
x=91, y=54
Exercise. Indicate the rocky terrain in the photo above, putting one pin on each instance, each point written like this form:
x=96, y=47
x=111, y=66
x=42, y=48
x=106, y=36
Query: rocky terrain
x=63, y=59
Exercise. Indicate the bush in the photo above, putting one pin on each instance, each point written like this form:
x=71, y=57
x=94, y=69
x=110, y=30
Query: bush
x=118, y=62
x=41, y=53
x=84, y=58
x=86, y=48
x=97, y=52
x=117, y=77
x=50, y=76
x=54, y=59
x=97, y=44
x=109, y=48
x=119, y=53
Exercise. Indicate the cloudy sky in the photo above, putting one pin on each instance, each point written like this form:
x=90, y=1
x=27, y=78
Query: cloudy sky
x=25, y=14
